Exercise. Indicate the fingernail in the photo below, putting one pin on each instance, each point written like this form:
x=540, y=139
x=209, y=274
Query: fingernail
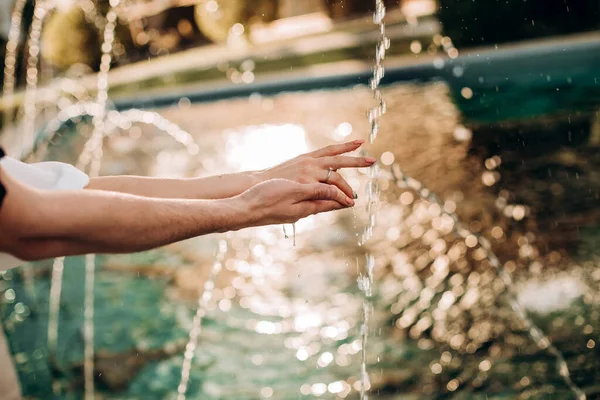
x=349, y=201
x=370, y=159
x=360, y=141
x=355, y=195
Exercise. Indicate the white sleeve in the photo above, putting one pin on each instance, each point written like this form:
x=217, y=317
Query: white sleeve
x=46, y=175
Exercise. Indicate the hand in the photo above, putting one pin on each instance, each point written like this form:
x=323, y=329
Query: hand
x=314, y=167
x=281, y=201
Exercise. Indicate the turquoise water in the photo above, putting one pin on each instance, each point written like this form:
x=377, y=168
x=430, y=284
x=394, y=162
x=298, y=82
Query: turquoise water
x=285, y=320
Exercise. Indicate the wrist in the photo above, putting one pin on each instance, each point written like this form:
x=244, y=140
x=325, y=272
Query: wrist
x=257, y=177
x=239, y=214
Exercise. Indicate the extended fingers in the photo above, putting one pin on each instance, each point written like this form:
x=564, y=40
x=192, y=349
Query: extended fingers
x=337, y=162
x=337, y=149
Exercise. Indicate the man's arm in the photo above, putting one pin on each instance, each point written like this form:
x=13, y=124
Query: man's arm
x=41, y=224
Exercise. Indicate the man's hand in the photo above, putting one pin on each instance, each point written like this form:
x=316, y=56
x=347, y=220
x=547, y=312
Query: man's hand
x=37, y=224
x=314, y=167
x=281, y=201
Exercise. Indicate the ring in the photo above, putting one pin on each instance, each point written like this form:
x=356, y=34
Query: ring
x=329, y=174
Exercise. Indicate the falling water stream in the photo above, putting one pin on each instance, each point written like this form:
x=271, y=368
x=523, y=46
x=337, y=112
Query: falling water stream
x=365, y=282
x=40, y=11
x=10, y=60
x=92, y=156
x=203, y=304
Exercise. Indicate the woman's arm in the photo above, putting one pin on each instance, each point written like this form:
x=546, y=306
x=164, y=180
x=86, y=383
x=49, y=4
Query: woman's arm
x=307, y=168
x=214, y=187
x=41, y=224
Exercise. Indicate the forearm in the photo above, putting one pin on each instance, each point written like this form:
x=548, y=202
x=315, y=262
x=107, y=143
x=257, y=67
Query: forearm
x=81, y=222
x=214, y=187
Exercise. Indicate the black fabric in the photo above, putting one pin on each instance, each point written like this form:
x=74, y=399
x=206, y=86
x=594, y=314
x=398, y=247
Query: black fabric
x=2, y=188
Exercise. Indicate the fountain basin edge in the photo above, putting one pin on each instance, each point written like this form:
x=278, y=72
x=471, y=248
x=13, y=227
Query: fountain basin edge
x=539, y=66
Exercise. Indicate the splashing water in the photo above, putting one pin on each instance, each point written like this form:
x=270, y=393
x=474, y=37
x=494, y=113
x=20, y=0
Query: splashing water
x=365, y=282
x=101, y=118
x=10, y=60
x=285, y=235
x=121, y=120
x=29, y=104
x=490, y=178
x=203, y=303
x=54, y=303
x=93, y=148
x=534, y=332
x=91, y=156
x=383, y=45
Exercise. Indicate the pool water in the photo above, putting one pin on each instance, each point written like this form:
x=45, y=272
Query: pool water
x=285, y=319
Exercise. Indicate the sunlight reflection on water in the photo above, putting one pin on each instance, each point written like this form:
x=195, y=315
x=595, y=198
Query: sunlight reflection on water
x=260, y=147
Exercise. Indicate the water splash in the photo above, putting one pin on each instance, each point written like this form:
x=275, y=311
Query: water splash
x=383, y=45
x=534, y=332
x=93, y=150
x=90, y=158
x=54, y=303
x=29, y=103
x=203, y=303
x=365, y=282
x=122, y=120
x=88, y=326
x=10, y=60
x=285, y=235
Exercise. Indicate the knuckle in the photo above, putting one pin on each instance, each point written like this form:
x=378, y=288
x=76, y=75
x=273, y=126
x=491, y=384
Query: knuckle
x=323, y=192
x=302, y=180
x=332, y=192
x=304, y=169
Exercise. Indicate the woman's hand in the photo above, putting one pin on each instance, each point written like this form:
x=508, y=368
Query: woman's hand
x=315, y=167
x=281, y=201
x=307, y=168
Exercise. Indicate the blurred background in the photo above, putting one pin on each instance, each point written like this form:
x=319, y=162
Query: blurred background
x=485, y=280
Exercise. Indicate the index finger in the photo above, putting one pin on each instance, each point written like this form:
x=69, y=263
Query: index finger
x=337, y=149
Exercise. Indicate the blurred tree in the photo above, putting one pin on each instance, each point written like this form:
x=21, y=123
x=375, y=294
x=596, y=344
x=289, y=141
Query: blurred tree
x=68, y=38
x=26, y=23
x=216, y=17
x=481, y=22
x=20, y=65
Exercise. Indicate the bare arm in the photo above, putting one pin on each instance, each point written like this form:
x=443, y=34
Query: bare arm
x=39, y=224
x=105, y=222
x=214, y=187
x=307, y=168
